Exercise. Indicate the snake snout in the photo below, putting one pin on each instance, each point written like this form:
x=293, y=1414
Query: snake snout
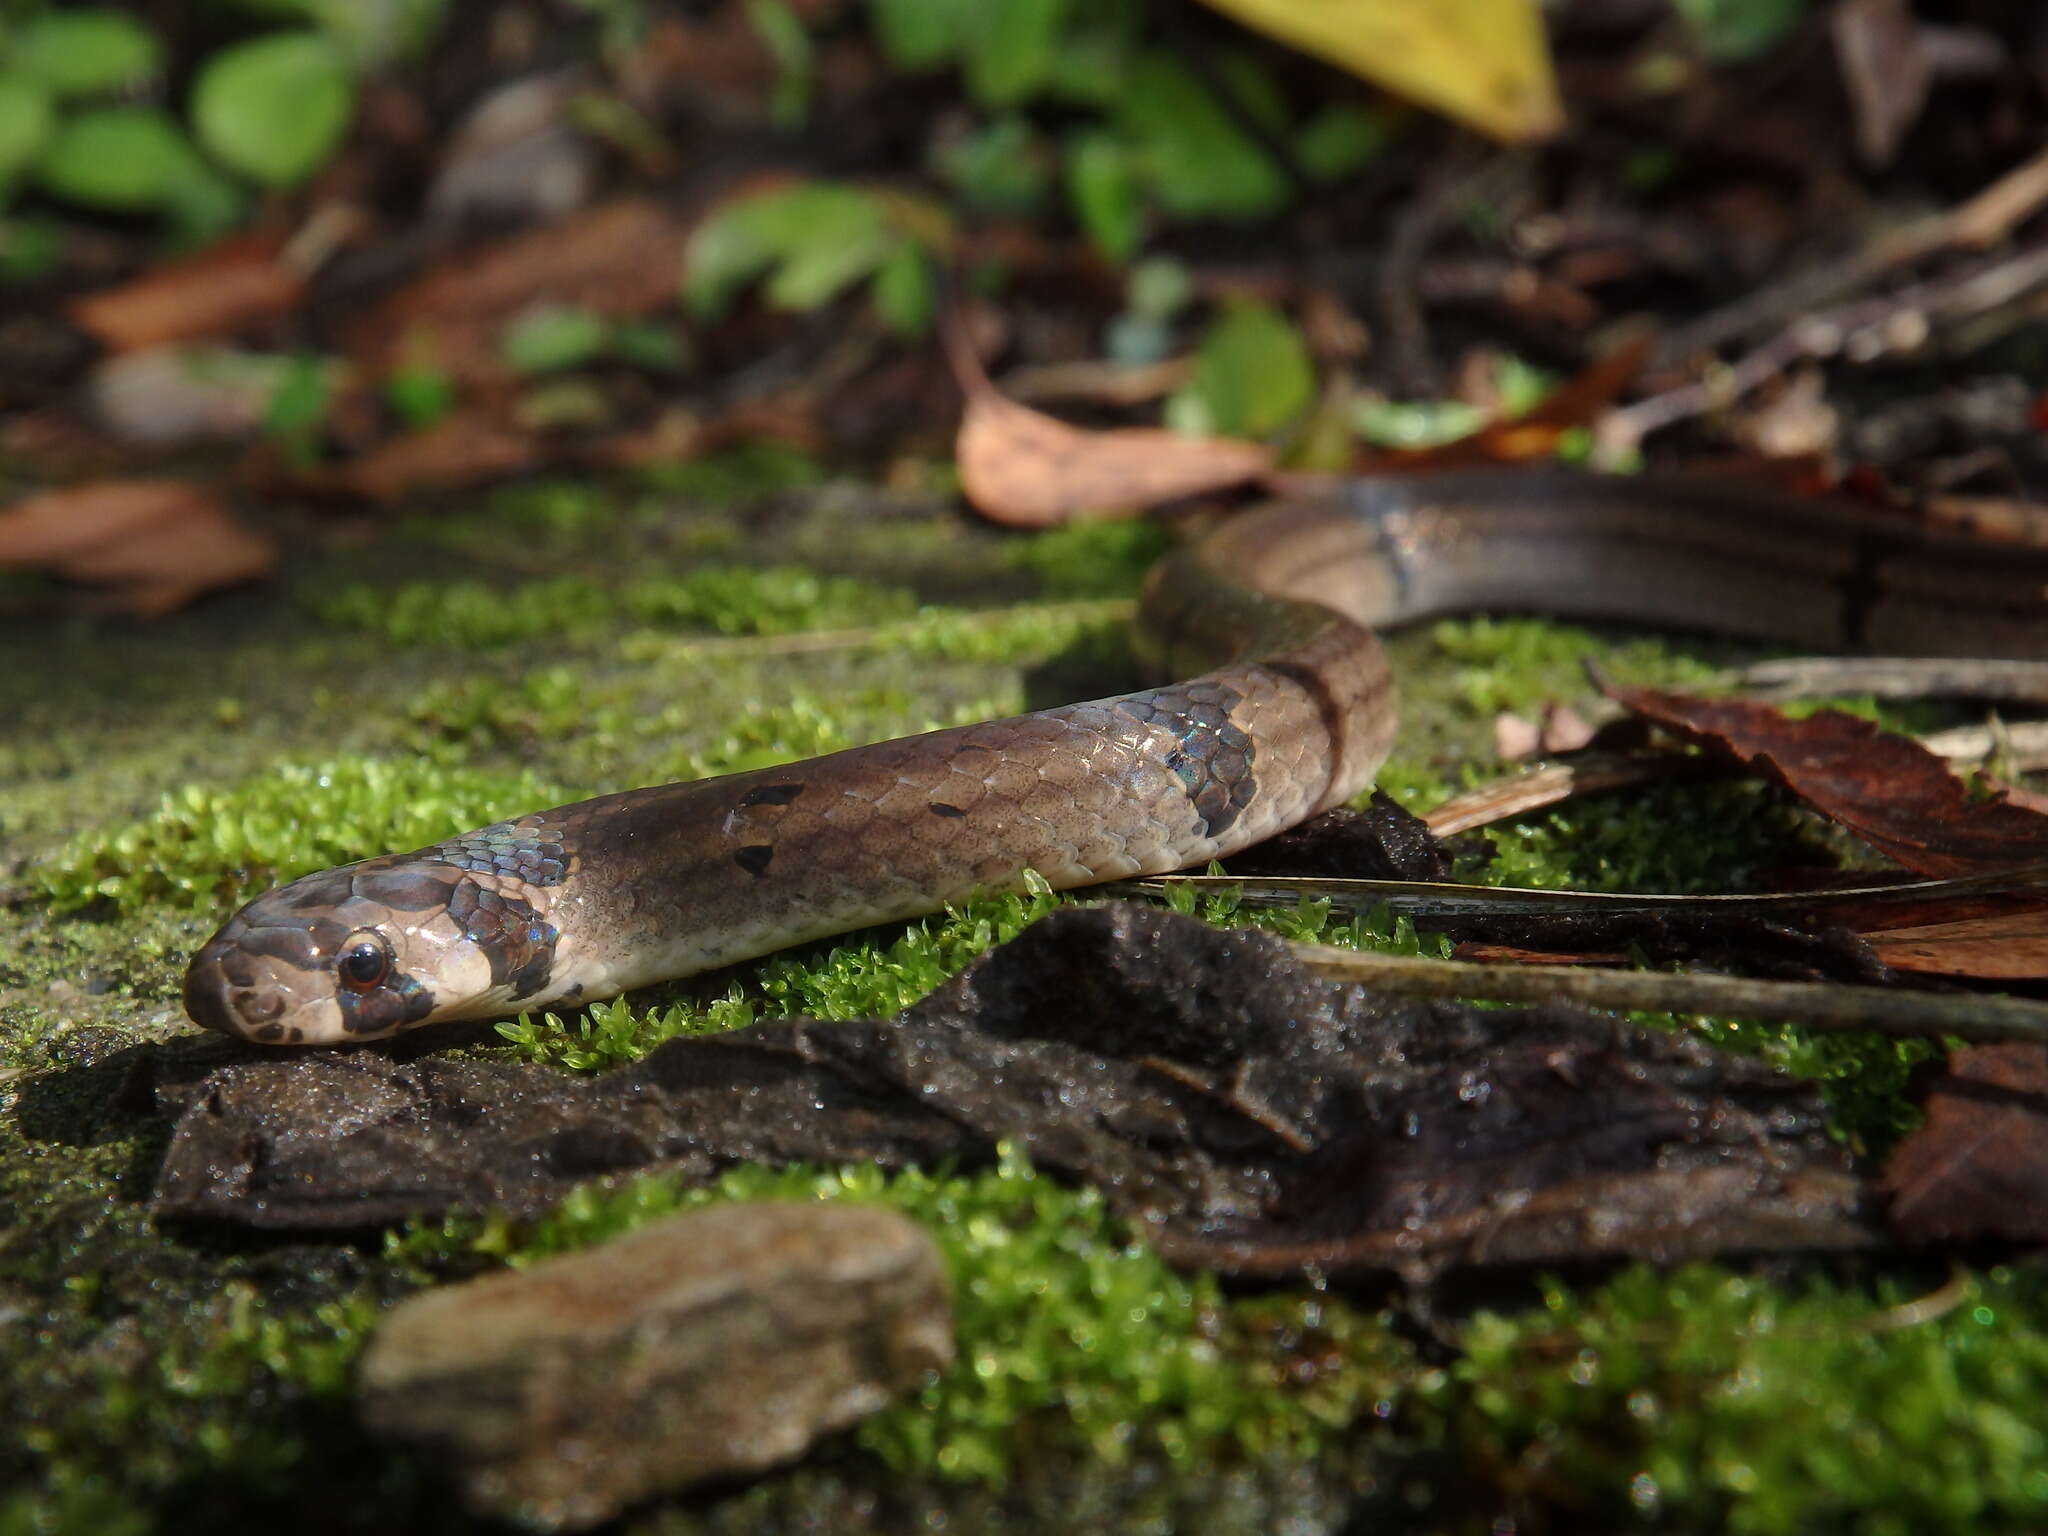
x=224, y=992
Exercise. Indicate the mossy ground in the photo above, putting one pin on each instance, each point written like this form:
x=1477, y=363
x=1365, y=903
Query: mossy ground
x=564, y=640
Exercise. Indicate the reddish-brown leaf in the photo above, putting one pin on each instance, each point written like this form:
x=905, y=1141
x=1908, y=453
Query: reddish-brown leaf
x=218, y=292
x=1578, y=402
x=154, y=544
x=1979, y=1166
x=1890, y=791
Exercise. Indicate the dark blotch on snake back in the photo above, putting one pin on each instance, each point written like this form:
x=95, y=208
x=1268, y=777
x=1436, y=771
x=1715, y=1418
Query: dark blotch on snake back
x=418, y=889
x=528, y=850
x=1213, y=757
x=518, y=941
x=753, y=858
x=940, y=808
x=772, y=794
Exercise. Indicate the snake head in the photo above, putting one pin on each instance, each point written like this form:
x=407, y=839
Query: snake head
x=364, y=951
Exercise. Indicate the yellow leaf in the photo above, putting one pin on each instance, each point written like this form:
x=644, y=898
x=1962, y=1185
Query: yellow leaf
x=1483, y=62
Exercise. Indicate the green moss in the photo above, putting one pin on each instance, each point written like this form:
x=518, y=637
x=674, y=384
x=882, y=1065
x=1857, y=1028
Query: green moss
x=1068, y=1328
x=1099, y=558
x=204, y=847
x=867, y=976
x=762, y=467
x=1711, y=1400
x=576, y=609
x=877, y=974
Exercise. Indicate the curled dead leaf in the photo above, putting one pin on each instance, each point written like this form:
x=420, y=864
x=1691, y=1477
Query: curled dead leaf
x=1889, y=790
x=1022, y=467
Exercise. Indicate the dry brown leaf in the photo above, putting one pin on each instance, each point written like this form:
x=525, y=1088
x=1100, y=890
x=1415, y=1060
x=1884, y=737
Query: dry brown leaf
x=154, y=544
x=1021, y=467
x=2012, y=946
x=217, y=292
x=1979, y=1166
x=624, y=258
x=471, y=447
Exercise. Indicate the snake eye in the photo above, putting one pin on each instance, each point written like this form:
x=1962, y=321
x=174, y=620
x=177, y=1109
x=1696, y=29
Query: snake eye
x=363, y=965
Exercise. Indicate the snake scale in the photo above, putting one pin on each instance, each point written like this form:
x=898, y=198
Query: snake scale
x=1287, y=709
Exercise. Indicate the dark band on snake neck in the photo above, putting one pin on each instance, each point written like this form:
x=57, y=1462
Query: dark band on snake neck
x=1287, y=709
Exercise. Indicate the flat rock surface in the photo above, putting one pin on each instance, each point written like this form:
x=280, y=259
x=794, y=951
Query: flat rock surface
x=1249, y=1115
x=708, y=1345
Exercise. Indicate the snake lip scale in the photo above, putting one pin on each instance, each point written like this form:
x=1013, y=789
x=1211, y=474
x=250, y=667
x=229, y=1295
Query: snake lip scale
x=1287, y=708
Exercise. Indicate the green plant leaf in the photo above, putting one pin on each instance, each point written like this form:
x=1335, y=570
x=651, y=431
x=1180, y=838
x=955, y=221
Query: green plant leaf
x=1730, y=31
x=30, y=249
x=120, y=158
x=782, y=33
x=651, y=344
x=419, y=395
x=1198, y=160
x=814, y=240
x=27, y=120
x=552, y=337
x=1253, y=375
x=1104, y=194
x=83, y=52
x=903, y=293
x=1000, y=169
x=274, y=108
x=1010, y=48
x=920, y=34
x=1341, y=138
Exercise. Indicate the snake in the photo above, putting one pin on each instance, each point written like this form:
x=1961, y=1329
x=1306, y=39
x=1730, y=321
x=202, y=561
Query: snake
x=1280, y=704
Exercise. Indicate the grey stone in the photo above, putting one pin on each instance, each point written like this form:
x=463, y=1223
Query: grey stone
x=705, y=1346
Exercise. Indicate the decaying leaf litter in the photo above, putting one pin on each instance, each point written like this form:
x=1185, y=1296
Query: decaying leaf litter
x=444, y=352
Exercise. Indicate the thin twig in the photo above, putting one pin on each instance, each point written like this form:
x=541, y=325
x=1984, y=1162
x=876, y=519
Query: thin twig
x=1863, y=330
x=1873, y=1010
x=1976, y=224
x=1443, y=898
x=1885, y=677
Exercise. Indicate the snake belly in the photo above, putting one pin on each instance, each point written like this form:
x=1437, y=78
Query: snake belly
x=1285, y=707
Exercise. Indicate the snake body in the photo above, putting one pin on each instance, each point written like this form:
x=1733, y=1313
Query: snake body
x=1286, y=708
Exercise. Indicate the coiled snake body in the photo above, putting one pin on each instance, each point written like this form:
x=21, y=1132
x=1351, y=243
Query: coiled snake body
x=1288, y=710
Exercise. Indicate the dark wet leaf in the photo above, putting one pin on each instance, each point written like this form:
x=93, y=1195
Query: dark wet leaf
x=1248, y=1114
x=1382, y=842
x=1979, y=1166
x=1889, y=790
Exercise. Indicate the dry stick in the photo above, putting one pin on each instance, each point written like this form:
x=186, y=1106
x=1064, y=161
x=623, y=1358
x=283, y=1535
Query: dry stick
x=1874, y=1010
x=1896, y=322
x=1977, y=224
x=2021, y=747
x=1887, y=677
